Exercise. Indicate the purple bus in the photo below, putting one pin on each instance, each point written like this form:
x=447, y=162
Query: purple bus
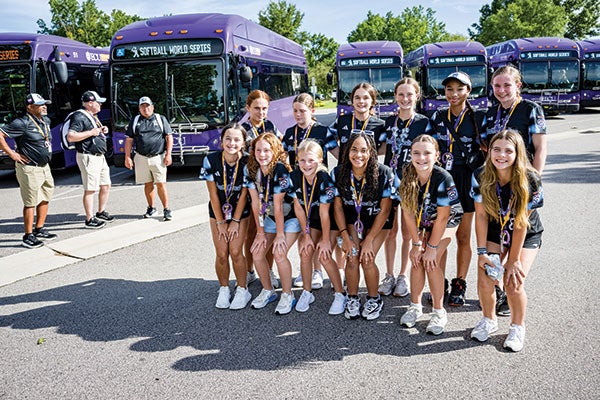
x=57, y=68
x=550, y=68
x=590, y=83
x=430, y=64
x=377, y=62
x=198, y=69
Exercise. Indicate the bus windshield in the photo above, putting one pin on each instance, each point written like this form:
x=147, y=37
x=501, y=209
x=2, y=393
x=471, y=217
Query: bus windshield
x=14, y=87
x=592, y=75
x=383, y=79
x=435, y=76
x=192, y=92
x=562, y=75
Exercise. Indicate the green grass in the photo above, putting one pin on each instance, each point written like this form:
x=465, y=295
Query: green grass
x=325, y=104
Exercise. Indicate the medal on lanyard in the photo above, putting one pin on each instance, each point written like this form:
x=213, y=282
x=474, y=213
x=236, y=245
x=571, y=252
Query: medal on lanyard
x=357, y=198
x=308, y=201
x=422, y=217
x=448, y=157
x=227, y=208
x=264, y=197
x=504, y=218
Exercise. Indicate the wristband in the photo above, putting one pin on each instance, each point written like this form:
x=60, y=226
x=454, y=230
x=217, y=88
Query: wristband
x=343, y=230
x=235, y=220
x=418, y=244
x=432, y=246
x=220, y=222
x=481, y=251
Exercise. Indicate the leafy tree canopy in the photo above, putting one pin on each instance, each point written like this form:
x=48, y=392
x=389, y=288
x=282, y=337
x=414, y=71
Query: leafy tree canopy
x=282, y=17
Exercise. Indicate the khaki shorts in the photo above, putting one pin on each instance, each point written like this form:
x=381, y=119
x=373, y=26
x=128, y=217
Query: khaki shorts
x=36, y=183
x=94, y=171
x=150, y=169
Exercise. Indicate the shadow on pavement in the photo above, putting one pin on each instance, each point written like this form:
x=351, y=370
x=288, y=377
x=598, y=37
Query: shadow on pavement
x=585, y=168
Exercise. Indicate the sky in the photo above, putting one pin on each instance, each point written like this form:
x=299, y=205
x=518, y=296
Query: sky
x=332, y=18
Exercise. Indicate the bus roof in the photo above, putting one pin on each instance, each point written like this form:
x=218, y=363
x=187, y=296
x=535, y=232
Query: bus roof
x=449, y=48
x=533, y=44
x=71, y=50
x=385, y=47
x=238, y=33
x=589, y=45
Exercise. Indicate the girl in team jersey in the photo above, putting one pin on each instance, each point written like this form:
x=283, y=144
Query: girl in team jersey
x=507, y=192
x=267, y=177
x=432, y=213
x=400, y=130
x=363, y=214
x=362, y=119
x=314, y=192
x=228, y=209
x=459, y=129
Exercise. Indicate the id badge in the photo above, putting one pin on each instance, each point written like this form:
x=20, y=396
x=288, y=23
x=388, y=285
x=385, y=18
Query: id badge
x=48, y=145
x=448, y=160
x=261, y=220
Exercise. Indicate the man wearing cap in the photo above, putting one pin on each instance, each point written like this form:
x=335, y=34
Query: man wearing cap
x=32, y=155
x=153, y=139
x=87, y=133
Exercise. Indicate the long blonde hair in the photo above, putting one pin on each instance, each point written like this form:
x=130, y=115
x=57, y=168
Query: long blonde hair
x=409, y=185
x=519, y=180
x=279, y=155
x=313, y=147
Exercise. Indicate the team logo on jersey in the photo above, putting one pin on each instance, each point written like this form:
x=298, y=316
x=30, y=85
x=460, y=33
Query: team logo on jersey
x=283, y=183
x=537, y=197
x=345, y=127
x=452, y=193
x=330, y=192
x=202, y=171
x=540, y=122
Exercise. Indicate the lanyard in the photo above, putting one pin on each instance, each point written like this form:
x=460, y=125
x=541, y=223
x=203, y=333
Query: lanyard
x=501, y=123
x=395, y=146
x=263, y=195
x=357, y=198
x=364, y=123
x=305, y=136
x=504, y=215
x=457, y=122
x=44, y=132
x=422, y=211
x=256, y=128
x=229, y=189
x=308, y=204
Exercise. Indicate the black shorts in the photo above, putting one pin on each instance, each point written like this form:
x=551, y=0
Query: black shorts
x=462, y=175
x=532, y=240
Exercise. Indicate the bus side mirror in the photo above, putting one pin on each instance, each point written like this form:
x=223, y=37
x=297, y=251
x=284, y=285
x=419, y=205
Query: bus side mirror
x=61, y=72
x=99, y=80
x=245, y=76
x=329, y=78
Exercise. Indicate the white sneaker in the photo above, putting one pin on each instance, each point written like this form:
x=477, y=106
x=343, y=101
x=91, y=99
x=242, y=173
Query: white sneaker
x=372, y=308
x=298, y=281
x=409, y=318
x=240, y=299
x=401, y=288
x=250, y=277
x=274, y=280
x=317, y=279
x=387, y=285
x=338, y=305
x=484, y=328
x=264, y=298
x=438, y=322
x=352, y=308
x=223, y=299
x=516, y=337
x=286, y=303
x=306, y=298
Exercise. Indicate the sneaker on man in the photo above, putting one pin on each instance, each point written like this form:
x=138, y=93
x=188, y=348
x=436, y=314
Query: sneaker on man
x=250, y=277
x=167, y=215
x=401, y=289
x=338, y=305
x=516, y=337
x=150, y=211
x=31, y=242
x=104, y=216
x=457, y=293
x=286, y=303
x=223, y=298
x=304, y=302
x=298, y=282
x=387, y=285
x=240, y=299
x=410, y=317
x=352, y=310
x=502, y=308
x=94, y=223
x=42, y=233
x=265, y=297
x=437, y=323
x=484, y=328
x=317, y=279
x=274, y=280
x=372, y=308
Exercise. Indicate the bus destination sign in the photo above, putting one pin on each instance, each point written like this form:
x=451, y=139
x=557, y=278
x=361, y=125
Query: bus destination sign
x=14, y=52
x=533, y=55
x=457, y=60
x=370, y=62
x=592, y=56
x=168, y=49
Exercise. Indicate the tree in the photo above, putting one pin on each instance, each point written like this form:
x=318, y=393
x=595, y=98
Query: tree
x=584, y=18
x=413, y=27
x=282, y=17
x=319, y=48
x=85, y=23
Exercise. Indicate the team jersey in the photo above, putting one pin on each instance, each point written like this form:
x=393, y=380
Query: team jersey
x=92, y=144
x=277, y=182
x=527, y=117
x=387, y=188
x=295, y=135
x=399, y=137
x=345, y=125
x=32, y=137
x=323, y=191
x=214, y=169
x=535, y=201
x=439, y=191
x=255, y=131
x=148, y=136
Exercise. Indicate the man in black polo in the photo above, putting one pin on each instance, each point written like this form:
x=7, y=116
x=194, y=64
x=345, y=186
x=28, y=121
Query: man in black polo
x=32, y=155
x=153, y=139
x=88, y=134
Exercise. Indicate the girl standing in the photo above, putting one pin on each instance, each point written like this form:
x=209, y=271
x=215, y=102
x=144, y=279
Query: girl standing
x=400, y=130
x=228, y=210
x=314, y=193
x=363, y=213
x=432, y=213
x=507, y=193
x=268, y=181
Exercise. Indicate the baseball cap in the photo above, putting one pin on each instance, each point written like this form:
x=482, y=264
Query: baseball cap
x=34, y=98
x=90, y=95
x=145, y=100
x=459, y=76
